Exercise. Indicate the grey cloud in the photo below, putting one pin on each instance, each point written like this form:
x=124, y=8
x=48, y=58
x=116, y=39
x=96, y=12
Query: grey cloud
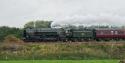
x=17, y=12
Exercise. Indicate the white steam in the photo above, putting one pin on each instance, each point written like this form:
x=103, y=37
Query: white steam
x=88, y=20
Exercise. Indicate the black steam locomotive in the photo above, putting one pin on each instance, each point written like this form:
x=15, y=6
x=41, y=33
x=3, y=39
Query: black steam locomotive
x=70, y=34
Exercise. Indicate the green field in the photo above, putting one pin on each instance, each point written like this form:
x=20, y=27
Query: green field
x=61, y=61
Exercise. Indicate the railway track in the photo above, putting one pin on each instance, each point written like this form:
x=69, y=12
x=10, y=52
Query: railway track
x=112, y=43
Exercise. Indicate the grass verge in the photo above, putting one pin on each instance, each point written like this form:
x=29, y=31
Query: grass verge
x=61, y=61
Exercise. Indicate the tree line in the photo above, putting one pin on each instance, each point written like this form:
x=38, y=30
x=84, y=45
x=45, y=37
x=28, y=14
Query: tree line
x=18, y=32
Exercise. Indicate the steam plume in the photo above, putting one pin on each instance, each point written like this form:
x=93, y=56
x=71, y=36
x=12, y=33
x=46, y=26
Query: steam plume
x=89, y=20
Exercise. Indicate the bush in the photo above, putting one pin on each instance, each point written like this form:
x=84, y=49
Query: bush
x=11, y=42
x=5, y=31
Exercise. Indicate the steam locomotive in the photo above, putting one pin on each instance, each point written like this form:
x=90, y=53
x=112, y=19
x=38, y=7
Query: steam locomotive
x=71, y=34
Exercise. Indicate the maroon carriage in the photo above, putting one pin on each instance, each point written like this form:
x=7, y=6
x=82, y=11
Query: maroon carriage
x=110, y=33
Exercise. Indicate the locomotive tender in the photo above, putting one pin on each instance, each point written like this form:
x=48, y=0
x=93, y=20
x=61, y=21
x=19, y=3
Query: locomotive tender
x=70, y=34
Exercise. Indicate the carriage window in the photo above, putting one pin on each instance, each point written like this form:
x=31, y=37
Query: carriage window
x=112, y=32
x=116, y=32
x=101, y=33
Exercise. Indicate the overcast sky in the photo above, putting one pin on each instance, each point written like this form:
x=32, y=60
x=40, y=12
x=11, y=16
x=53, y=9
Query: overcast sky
x=17, y=12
